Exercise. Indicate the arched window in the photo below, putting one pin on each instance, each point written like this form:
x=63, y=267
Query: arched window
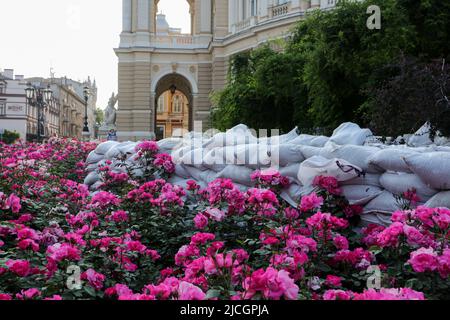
x=161, y=104
x=177, y=104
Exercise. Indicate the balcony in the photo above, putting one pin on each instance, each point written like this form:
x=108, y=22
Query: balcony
x=179, y=41
x=243, y=25
x=280, y=10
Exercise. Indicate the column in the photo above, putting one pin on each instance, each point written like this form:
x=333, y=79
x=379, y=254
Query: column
x=143, y=12
x=205, y=16
x=126, y=15
x=231, y=14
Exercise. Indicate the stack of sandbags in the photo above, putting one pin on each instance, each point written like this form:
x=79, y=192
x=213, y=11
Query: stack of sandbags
x=370, y=173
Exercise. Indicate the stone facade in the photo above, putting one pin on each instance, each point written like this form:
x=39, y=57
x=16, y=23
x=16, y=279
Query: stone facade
x=153, y=57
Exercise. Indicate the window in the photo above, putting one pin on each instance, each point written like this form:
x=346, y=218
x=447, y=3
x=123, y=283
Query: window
x=161, y=104
x=254, y=4
x=177, y=104
x=2, y=87
x=160, y=132
x=2, y=107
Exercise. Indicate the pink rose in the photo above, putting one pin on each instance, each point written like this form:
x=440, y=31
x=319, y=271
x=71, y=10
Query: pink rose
x=200, y=221
x=187, y=291
x=333, y=281
x=424, y=260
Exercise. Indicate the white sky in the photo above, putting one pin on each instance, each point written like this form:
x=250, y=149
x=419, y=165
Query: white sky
x=74, y=37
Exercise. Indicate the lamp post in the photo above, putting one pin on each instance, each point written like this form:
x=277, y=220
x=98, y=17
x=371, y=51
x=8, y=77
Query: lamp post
x=40, y=98
x=86, y=133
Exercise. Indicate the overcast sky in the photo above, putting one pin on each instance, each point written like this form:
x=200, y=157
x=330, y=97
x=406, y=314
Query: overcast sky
x=74, y=37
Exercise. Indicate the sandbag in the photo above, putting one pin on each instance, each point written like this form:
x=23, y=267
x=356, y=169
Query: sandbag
x=181, y=171
x=398, y=183
x=433, y=168
x=421, y=137
x=194, y=158
x=384, y=203
x=303, y=140
x=215, y=159
x=350, y=133
x=253, y=156
x=284, y=138
x=360, y=195
x=285, y=154
x=440, y=200
x=293, y=193
x=320, y=166
x=94, y=158
x=91, y=178
x=375, y=218
x=392, y=159
x=238, y=135
x=291, y=171
x=208, y=176
x=238, y=174
x=319, y=141
x=194, y=173
x=356, y=155
x=169, y=144
x=104, y=147
x=369, y=179
x=178, y=154
x=309, y=152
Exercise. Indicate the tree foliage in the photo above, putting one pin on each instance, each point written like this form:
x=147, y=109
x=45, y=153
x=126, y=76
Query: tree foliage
x=322, y=76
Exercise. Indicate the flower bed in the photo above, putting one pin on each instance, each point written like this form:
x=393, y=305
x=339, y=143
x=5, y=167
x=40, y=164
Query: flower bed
x=141, y=238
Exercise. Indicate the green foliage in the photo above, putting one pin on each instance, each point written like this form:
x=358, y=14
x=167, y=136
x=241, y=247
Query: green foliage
x=99, y=116
x=320, y=78
x=9, y=137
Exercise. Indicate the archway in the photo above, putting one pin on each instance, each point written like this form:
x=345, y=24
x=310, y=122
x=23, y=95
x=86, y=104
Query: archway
x=173, y=106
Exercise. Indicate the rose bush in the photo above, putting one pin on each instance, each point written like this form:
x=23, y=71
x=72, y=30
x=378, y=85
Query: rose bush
x=142, y=238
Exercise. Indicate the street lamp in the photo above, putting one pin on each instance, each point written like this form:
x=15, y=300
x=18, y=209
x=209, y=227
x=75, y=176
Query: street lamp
x=40, y=98
x=86, y=124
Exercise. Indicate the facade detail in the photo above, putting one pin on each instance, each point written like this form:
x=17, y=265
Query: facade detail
x=153, y=57
x=64, y=116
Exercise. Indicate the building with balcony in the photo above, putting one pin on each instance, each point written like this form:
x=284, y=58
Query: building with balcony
x=155, y=58
x=16, y=115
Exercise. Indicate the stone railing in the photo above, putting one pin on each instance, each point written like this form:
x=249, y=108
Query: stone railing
x=280, y=10
x=179, y=41
x=244, y=24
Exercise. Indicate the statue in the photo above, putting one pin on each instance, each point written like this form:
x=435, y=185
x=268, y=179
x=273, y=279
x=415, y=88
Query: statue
x=111, y=112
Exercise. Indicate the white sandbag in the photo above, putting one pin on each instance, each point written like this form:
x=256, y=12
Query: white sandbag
x=291, y=171
x=309, y=152
x=215, y=159
x=285, y=154
x=350, y=133
x=91, y=178
x=208, y=176
x=375, y=218
x=369, y=179
x=91, y=167
x=421, y=137
x=433, y=168
x=177, y=181
x=319, y=141
x=252, y=155
x=320, y=166
x=94, y=158
x=293, y=193
x=104, y=147
x=181, y=171
x=384, y=203
x=194, y=158
x=359, y=194
x=281, y=139
x=194, y=173
x=96, y=185
x=217, y=141
x=238, y=135
x=398, y=183
x=392, y=159
x=442, y=149
x=303, y=140
x=178, y=154
x=238, y=174
x=357, y=155
x=169, y=144
x=440, y=200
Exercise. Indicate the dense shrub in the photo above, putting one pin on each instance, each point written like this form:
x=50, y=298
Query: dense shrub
x=9, y=137
x=137, y=240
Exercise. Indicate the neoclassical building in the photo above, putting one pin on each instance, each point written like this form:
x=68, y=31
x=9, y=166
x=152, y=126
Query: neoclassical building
x=154, y=58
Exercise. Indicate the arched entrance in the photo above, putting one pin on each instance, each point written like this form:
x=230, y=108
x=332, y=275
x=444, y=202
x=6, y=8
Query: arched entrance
x=173, y=106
